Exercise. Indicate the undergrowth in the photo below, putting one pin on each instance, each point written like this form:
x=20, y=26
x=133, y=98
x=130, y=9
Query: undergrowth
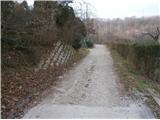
x=144, y=58
x=131, y=79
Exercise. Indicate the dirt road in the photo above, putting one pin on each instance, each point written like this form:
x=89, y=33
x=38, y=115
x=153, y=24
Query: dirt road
x=89, y=90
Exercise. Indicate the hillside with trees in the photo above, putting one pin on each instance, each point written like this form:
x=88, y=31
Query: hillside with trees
x=58, y=59
x=36, y=41
x=144, y=29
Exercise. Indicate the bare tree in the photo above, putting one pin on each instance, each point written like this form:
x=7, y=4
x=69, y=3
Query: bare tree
x=153, y=34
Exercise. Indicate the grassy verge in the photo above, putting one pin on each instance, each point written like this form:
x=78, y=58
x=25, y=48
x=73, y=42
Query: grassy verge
x=82, y=52
x=143, y=57
x=131, y=79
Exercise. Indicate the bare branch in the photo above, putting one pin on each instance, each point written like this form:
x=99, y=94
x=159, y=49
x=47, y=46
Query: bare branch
x=158, y=31
x=154, y=36
x=149, y=35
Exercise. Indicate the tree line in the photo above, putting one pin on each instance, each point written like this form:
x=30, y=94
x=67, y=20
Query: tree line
x=131, y=28
x=46, y=22
x=35, y=29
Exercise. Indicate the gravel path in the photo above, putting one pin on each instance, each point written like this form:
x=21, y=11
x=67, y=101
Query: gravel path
x=89, y=90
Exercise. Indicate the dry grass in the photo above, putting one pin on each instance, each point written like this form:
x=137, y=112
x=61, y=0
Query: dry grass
x=131, y=79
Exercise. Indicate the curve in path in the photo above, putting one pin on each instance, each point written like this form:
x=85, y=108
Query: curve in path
x=89, y=90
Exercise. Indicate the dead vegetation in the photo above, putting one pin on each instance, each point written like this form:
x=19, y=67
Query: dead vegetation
x=28, y=35
x=22, y=89
x=133, y=80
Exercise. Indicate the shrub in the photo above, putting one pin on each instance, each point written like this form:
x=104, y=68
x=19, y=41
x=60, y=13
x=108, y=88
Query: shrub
x=65, y=12
x=76, y=44
x=144, y=58
x=89, y=44
x=25, y=30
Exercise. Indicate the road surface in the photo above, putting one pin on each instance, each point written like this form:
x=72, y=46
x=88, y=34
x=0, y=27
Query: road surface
x=89, y=90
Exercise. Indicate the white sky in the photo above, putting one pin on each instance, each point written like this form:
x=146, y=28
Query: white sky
x=126, y=8
x=122, y=8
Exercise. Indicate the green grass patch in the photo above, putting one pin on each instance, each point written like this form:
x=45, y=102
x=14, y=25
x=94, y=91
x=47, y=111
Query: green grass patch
x=80, y=53
x=141, y=84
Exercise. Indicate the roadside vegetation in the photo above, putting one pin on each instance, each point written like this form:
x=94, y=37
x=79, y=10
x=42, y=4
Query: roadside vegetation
x=135, y=47
x=134, y=81
x=28, y=36
x=130, y=76
x=144, y=58
x=138, y=67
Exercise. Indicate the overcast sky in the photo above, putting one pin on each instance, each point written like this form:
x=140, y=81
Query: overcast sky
x=126, y=8
x=123, y=8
